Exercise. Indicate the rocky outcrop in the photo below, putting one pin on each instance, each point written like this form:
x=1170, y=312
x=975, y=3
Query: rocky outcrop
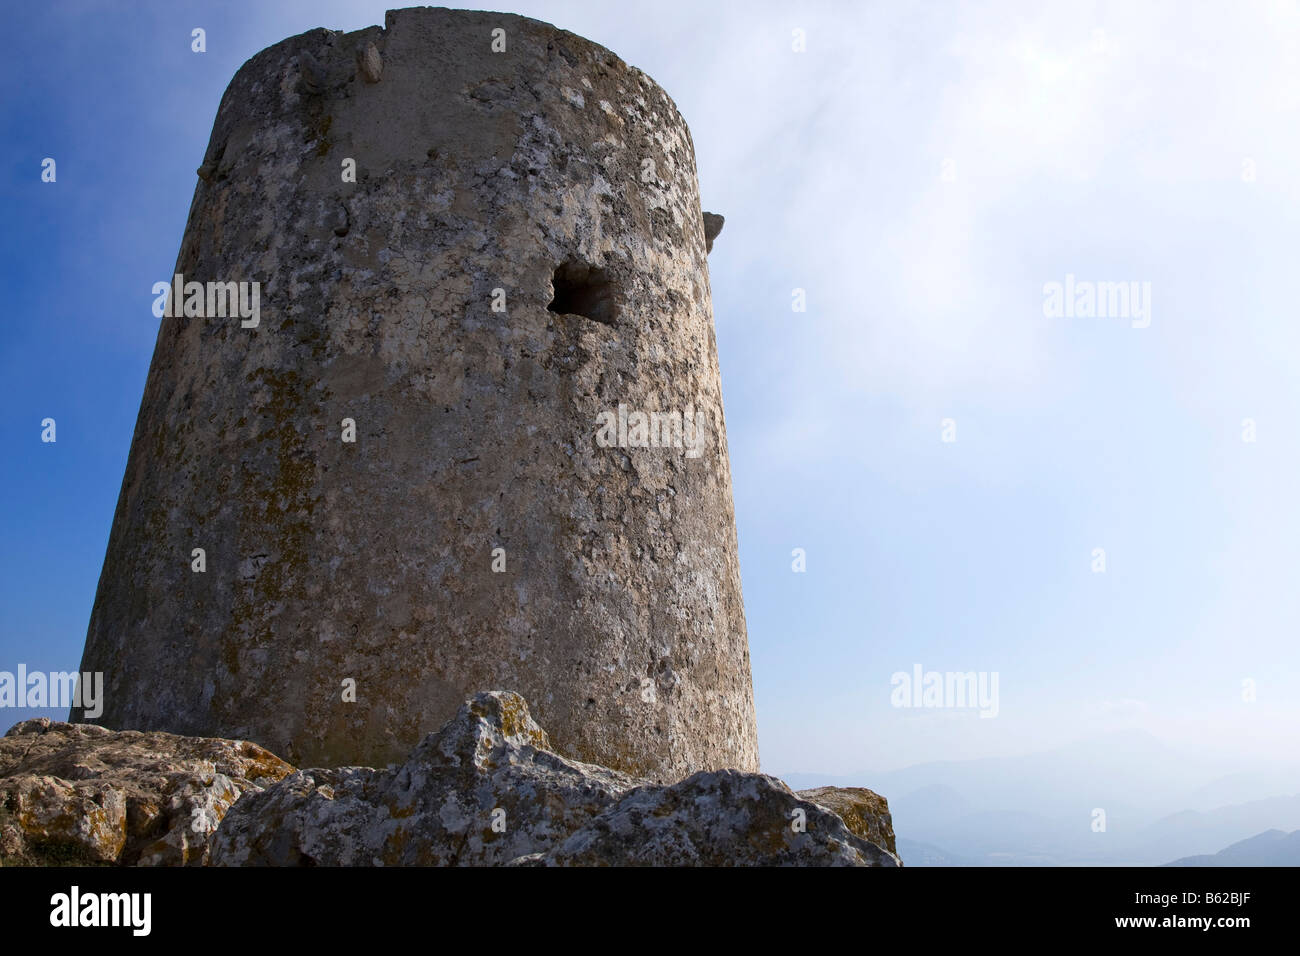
x=715, y=818
x=863, y=811
x=483, y=790
x=77, y=793
x=487, y=789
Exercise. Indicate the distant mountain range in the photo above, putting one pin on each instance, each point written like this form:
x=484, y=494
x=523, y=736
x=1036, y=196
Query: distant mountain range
x=915, y=853
x=1040, y=809
x=1270, y=848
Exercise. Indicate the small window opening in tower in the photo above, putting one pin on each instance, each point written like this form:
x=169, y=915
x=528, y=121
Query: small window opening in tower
x=585, y=291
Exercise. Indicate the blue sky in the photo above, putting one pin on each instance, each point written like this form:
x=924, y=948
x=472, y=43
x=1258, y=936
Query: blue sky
x=1143, y=142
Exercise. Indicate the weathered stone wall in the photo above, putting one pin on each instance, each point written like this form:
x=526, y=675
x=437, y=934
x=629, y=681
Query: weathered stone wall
x=619, y=611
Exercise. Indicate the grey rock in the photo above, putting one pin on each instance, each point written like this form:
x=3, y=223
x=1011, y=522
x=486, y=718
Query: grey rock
x=863, y=811
x=369, y=63
x=78, y=793
x=490, y=765
x=715, y=818
x=619, y=613
x=342, y=222
x=313, y=77
x=483, y=790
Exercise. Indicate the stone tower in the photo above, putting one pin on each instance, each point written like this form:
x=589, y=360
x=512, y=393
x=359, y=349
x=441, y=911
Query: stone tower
x=495, y=302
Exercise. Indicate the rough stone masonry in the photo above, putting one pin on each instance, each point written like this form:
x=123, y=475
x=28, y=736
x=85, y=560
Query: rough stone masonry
x=522, y=250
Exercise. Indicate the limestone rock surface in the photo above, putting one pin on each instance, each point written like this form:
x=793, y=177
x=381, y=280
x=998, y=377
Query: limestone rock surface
x=78, y=793
x=483, y=790
x=486, y=790
x=864, y=811
x=716, y=818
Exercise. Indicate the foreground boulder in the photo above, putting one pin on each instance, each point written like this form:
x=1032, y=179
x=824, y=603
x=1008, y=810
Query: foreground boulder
x=863, y=811
x=77, y=793
x=483, y=790
x=717, y=818
x=486, y=789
